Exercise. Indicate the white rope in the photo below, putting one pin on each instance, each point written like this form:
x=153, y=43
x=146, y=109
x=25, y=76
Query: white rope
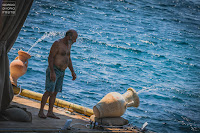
x=20, y=90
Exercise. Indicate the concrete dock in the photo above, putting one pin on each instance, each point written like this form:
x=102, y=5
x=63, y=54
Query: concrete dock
x=80, y=123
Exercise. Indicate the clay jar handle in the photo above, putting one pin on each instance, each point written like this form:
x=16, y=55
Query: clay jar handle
x=26, y=63
x=17, y=58
x=130, y=104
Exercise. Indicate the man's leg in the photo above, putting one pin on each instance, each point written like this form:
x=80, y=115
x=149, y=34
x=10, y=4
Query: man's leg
x=43, y=102
x=51, y=103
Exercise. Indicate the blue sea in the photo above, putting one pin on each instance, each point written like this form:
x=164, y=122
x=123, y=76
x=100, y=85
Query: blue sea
x=152, y=46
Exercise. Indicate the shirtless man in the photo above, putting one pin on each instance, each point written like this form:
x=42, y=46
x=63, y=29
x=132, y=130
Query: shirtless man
x=59, y=59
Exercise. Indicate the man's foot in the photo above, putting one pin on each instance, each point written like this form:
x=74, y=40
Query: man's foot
x=41, y=115
x=51, y=115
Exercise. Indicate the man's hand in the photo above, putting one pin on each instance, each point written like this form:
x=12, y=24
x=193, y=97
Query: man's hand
x=74, y=76
x=53, y=76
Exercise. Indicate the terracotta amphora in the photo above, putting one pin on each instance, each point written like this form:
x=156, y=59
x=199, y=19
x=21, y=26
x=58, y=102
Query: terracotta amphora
x=114, y=104
x=18, y=67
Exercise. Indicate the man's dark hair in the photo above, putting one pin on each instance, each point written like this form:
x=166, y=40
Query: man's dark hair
x=69, y=33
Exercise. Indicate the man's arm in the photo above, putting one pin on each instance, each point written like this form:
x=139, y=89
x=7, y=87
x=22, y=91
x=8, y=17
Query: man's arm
x=52, y=54
x=71, y=69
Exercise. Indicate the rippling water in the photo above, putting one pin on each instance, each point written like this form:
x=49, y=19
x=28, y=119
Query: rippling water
x=150, y=45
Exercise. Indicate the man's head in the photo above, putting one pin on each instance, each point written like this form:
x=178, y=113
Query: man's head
x=71, y=35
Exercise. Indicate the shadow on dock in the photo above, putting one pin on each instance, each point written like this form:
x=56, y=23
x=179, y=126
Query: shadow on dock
x=39, y=124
